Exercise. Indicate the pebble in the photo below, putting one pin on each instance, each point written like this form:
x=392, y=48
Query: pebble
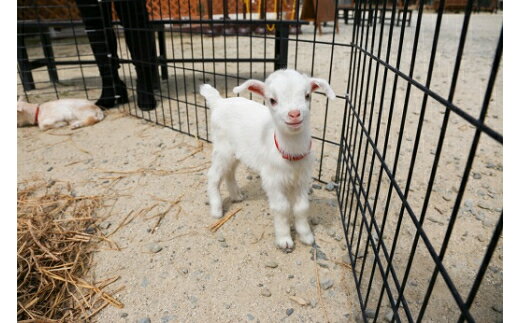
x=50, y=168
x=144, y=320
x=468, y=203
x=193, y=301
x=220, y=238
x=105, y=225
x=435, y=220
x=166, y=319
x=154, y=247
x=477, y=176
x=265, y=292
x=370, y=313
x=123, y=315
x=319, y=254
x=332, y=203
x=323, y=265
x=224, y=244
x=315, y=220
x=388, y=316
x=326, y=283
x=289, y=311
x=331, y=186
x=250, y=317
x=227, y=306
x=299, y=300
x=313, y=303
x=338, y=237
x=316, y=186
x=484, y=206
x=271, y=264
x=480, y=238
x=290, y=276
x=249, y=177
x=490, y=165
x=497, y=308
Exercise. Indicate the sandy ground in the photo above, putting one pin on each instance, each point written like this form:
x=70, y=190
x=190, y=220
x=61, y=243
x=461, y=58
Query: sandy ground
x=198, y=275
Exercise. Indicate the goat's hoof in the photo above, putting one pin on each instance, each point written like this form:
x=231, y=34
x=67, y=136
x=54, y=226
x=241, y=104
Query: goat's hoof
x=286, y=244
x=307, y=238
x=217, y=214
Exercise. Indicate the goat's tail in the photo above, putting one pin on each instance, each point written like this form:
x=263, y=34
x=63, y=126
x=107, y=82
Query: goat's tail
x=210, y=93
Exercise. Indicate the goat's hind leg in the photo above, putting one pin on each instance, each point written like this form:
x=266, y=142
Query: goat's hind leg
x=231, y=183
x=220, y=166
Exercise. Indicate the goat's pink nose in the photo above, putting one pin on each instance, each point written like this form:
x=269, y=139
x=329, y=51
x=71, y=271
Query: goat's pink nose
x=294, y=114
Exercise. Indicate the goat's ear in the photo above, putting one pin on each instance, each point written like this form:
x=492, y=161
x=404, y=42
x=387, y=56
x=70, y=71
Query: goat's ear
x=254, y=86
x=317, y=83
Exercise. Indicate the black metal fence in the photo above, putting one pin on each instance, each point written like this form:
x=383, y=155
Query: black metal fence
x=413, y=139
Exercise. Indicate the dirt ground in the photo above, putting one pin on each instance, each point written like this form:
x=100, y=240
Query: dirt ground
x=196, y=274
x=180, y=271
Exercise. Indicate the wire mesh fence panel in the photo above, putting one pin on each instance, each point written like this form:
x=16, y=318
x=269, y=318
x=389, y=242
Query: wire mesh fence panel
x=412, y=142
x=420, y=164
x=187, y=43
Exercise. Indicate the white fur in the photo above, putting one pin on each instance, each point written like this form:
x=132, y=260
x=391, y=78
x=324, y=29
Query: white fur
x=243, y=130
x=76, y=112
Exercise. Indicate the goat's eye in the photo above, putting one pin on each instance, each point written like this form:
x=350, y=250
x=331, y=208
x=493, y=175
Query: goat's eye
x=273, y=101
x=307, y=96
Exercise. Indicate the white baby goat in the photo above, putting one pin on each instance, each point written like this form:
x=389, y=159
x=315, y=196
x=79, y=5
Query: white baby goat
x=275, y=141
x=54, y=114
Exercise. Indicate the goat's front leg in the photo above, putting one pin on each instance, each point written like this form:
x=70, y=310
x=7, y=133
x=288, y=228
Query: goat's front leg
x=281, y=208
x=301, y=209
x=51, y=124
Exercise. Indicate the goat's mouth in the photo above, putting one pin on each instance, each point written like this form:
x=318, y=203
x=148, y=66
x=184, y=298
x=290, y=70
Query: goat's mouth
x=296, y=124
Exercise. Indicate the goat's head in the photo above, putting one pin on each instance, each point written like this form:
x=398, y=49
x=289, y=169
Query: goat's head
x=287, y=94
x=24, y=118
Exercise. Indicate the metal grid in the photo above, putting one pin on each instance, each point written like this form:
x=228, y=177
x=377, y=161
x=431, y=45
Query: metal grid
x=377, y=174
x=365, y=140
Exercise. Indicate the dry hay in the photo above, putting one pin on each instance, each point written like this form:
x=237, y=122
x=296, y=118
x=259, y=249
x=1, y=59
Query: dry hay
x=57, y=235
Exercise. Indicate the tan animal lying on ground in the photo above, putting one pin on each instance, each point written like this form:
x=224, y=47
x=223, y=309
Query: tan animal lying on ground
x=54, y=114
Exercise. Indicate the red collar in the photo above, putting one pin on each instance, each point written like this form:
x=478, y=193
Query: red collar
x=288, y=156
x=36, y=115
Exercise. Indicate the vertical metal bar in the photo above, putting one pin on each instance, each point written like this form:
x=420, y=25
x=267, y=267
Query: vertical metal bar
x=175, y=72
x=49, y=54
x=162, y=48
x=24, y=65
x=77, y=51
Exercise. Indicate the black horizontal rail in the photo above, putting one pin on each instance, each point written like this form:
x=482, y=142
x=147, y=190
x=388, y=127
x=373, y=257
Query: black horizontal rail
x=193, y=22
